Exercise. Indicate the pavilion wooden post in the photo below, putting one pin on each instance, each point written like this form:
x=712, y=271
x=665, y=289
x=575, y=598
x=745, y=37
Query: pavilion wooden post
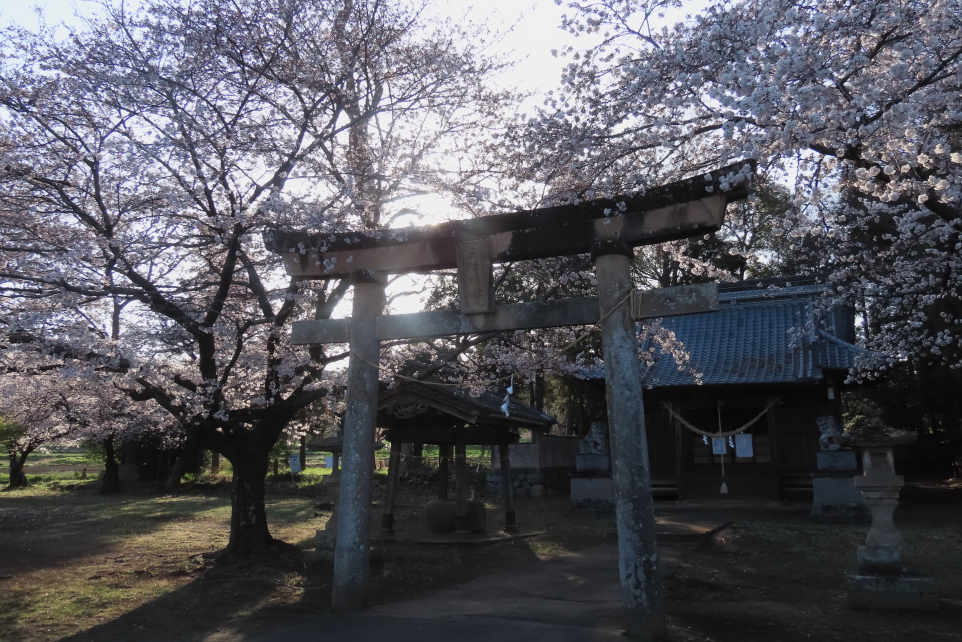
x=387, y=519
x=461, y=492
x=510, y=520
x=352, y=553
x=444, y=457
x=634, y=506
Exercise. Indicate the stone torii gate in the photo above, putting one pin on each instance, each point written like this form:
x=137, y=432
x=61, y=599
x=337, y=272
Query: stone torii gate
x=608, y=229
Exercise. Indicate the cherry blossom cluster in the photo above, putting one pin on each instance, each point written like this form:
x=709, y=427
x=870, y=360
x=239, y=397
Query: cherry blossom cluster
x=856, y=105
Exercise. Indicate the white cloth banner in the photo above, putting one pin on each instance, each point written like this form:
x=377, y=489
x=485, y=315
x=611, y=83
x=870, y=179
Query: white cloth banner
x=743, y=446
x=295, y=461
x=718, y=446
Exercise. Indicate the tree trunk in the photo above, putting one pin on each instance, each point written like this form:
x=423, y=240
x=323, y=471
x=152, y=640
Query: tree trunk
x=111, y=483
x=172, y=482
x=17, y=477
x=214, y=462
x=537, y=391
x=189, y=461
x=248, y=523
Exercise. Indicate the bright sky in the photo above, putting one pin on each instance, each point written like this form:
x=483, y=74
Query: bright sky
x=529, y=29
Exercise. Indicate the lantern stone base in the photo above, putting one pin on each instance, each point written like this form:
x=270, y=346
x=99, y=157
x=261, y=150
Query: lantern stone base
x=909, y=592
x=881, y=560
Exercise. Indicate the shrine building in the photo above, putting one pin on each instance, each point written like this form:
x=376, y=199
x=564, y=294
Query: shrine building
x=768, y=346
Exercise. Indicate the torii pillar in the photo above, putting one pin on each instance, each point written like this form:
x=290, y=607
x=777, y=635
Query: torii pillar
x=352, y=553
x=644, y=613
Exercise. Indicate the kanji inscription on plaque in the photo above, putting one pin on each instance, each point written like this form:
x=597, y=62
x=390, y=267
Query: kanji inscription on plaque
x=474, y=277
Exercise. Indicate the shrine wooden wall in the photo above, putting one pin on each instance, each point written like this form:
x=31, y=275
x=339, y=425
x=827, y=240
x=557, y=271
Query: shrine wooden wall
x=785, y=441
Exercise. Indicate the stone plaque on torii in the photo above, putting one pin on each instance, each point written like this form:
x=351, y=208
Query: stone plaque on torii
x=608, y=229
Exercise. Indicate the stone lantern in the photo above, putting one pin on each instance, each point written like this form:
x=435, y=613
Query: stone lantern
x=885, y=578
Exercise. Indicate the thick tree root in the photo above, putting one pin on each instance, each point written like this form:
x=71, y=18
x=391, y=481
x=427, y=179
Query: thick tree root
x=274, y=548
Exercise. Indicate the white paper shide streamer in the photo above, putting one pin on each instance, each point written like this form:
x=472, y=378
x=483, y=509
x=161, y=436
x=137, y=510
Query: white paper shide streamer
x=507, y=397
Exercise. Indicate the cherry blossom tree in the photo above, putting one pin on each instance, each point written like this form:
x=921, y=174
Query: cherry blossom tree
x=752, y=243
x=145, y=154
x=11, y=434
x=855, y=103
x=33, y=413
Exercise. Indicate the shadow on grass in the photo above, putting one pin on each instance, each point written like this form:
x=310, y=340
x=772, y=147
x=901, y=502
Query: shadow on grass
x=49, y=530
x=227, y=600
x=255, y=599
x=125, y=567
x=243, y=601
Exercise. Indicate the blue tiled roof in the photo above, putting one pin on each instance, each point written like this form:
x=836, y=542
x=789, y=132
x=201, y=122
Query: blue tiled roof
x=756, y=337
x=831, y=353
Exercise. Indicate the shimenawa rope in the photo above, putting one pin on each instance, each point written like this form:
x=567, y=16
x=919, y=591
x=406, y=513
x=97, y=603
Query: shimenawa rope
x=730, y=433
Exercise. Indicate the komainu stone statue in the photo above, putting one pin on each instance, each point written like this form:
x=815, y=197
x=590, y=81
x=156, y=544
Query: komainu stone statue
x=826, y=424
x=594, y=441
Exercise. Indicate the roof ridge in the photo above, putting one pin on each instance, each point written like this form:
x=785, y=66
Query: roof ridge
x=773, y=293
x=842, y=342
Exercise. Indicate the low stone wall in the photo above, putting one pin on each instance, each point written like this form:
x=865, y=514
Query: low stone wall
x=537, y=469
x=548, y=453
x=530, y=484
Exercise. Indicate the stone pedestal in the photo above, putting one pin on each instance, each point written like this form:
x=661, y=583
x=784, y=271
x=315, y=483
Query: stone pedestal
x=835, y=498
x=329, y=487
x=593, y=493
x=592, y=486
x=837, y=460
x=885, y=578
x=593, y=463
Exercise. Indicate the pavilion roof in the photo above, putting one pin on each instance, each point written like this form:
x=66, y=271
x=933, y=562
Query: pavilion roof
x=460, y=405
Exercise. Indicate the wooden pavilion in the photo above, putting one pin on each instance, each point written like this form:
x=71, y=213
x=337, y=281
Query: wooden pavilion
x=442, y=415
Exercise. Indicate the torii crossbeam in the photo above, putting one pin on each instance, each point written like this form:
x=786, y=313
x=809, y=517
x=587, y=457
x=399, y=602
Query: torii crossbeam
x=608, y=229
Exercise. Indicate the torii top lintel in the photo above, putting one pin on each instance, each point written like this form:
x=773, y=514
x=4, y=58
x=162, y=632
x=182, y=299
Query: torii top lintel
x=668, y=212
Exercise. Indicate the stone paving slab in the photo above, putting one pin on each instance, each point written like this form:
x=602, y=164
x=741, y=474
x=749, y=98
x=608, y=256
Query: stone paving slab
x=377, y=628
x=455, y=539
x=575, y=598
x=672, y=528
